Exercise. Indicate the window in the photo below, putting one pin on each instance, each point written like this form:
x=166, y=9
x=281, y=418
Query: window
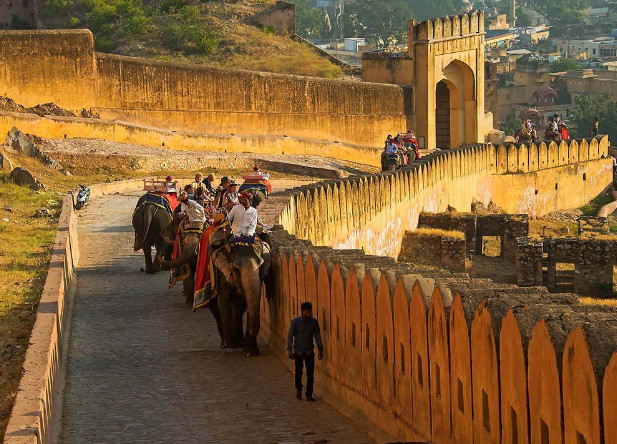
x=367, y=335
x=437, y=381
x=353, y=335
x=323, y=318
x=402, y=359
x=461, y=399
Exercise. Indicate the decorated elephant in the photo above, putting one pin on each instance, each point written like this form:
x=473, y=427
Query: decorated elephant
x=241, y=271
x=152, y=221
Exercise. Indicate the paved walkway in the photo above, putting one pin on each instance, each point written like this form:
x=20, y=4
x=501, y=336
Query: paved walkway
x=144, y=369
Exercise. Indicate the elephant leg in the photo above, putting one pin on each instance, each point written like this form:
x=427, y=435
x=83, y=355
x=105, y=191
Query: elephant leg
x=238, y=307
x=252, y=290
x=216, y=313
x=159, y=245
x=189, y=289
x=148, y=258
x=225, y=309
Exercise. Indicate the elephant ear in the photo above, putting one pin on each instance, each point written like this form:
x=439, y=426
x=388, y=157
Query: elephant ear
x=142, y=226
x=221, y=260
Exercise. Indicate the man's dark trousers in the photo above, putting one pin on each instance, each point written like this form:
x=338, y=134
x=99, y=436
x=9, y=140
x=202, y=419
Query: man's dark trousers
x=309, y=362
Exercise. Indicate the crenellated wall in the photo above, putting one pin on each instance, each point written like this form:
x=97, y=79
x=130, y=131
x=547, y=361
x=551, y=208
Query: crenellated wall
x=433, y=356
x=372, y=212
x=441, y=358
x=62, y=67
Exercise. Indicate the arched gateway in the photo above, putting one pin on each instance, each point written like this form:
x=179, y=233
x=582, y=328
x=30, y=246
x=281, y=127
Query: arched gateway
x=444, y=65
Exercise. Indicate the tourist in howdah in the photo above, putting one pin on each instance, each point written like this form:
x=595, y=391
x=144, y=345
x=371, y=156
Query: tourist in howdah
x=220, y=190
x=198, y=181
x=191, y=212
x=208, y=183
x=190, y=191
x=300, y=348
x=230, y=197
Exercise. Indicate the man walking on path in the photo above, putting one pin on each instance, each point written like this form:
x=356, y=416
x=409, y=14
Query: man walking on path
x=303, y=329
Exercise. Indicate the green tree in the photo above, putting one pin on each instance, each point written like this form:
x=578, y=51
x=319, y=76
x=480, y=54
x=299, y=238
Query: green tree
x=436, y=8
x=383, y=22
x=565, y=64
x=510, y=126
x=310, y=22
x=588, y=107
x=560, y=12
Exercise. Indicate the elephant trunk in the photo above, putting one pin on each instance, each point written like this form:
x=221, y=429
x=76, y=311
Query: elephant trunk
x=185, y=258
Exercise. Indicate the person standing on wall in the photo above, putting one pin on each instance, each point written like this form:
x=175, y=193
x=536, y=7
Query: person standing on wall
x=595, y=127
x=301, y=349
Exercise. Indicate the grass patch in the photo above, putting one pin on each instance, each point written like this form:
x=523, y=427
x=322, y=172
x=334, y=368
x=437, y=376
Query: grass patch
x=25, y=250
x=592, y=208
x=212, y=33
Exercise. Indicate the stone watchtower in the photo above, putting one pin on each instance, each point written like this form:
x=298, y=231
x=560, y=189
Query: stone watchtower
x=25, y=12
x=444, y=65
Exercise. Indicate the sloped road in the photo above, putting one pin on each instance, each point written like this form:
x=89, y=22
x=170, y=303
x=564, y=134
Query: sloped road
x=144, y=369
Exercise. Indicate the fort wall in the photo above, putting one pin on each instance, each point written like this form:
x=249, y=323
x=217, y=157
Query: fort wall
x=61, y=66
x=432, y=356
x=372, y=212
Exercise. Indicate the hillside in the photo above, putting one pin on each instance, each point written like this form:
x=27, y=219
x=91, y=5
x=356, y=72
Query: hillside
x=213, y=33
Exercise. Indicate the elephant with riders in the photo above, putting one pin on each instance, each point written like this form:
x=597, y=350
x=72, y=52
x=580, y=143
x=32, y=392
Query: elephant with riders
x=223, y=261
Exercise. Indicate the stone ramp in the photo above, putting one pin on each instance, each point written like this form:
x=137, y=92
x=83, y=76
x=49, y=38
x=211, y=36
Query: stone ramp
x=144, y=368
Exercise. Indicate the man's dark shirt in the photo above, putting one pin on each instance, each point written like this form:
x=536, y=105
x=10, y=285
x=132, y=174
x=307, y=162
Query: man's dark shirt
x=304, y=333
x=208, y=185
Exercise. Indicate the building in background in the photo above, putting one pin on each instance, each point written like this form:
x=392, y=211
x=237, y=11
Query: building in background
x=19, y=14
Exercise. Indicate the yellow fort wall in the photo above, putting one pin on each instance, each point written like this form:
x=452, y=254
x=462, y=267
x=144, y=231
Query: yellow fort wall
x=61, y=66
x=372, y=212
x=436, y=357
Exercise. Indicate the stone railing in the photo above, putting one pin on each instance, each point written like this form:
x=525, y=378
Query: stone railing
x=428, y=355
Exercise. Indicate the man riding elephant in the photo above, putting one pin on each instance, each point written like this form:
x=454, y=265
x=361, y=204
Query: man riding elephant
x=242, y=265
x=152, y=221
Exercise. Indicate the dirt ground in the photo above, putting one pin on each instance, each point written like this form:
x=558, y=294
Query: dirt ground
x=93, y=154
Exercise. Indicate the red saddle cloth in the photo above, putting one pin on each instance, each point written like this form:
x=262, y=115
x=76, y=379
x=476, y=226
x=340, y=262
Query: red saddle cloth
x=204, y=293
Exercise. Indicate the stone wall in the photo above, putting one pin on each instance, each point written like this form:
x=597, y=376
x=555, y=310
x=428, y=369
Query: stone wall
x=442, y=358
x=434, y=358
x=25, y=11
x=594, y=259
x=507, y=226
x=61, y=66
x=592, y=225
x=434, y=248
x=281, y=17
x=371, y=212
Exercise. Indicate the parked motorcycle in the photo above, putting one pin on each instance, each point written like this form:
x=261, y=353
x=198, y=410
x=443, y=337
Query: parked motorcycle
x=83, y=197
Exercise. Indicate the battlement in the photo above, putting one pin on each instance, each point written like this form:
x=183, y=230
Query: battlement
x=371, y=212
x=457, y=26
x=434, y=356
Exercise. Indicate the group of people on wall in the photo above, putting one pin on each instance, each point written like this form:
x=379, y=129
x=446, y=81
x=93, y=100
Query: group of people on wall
x=556, y=130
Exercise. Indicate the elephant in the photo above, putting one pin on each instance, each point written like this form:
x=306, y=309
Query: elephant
x=241, y=273
x=152, y=224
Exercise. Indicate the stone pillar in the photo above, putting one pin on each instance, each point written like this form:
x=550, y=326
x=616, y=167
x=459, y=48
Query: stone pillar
x=453, y=253
x=528, y=262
